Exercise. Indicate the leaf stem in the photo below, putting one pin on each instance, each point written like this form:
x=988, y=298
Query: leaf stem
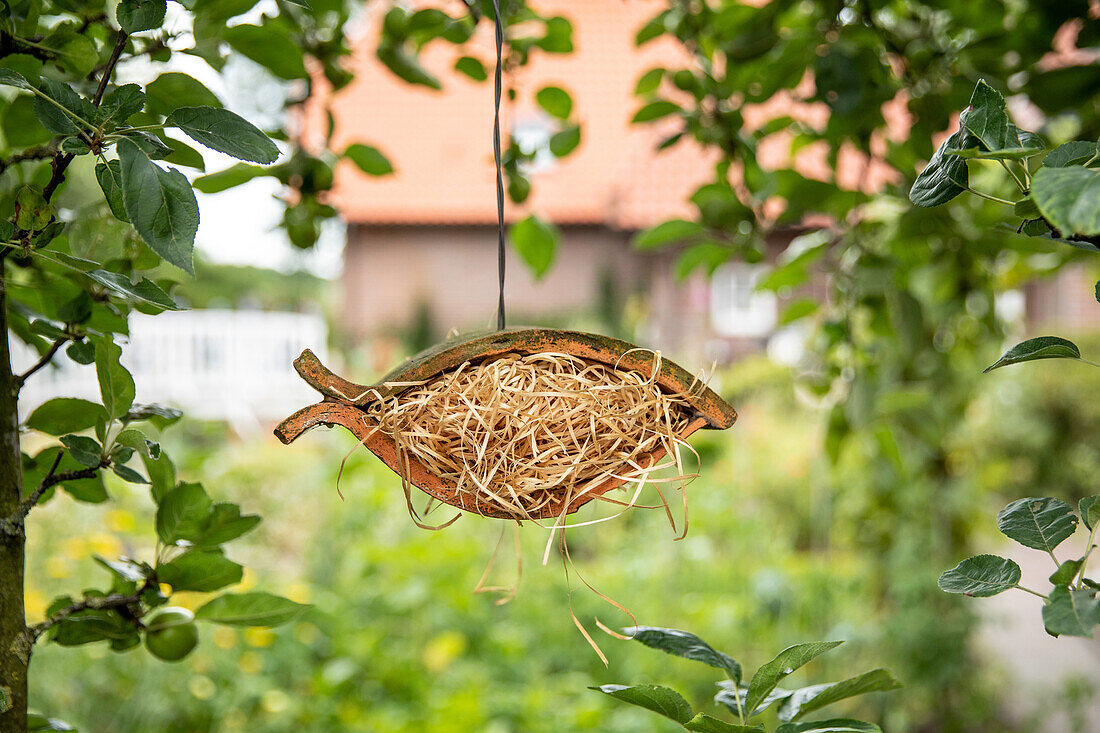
x=1055, y=559
x=990, y=197
x=54, y=347
x=1019, y=183
x=1032, y=592
x=1088, y=552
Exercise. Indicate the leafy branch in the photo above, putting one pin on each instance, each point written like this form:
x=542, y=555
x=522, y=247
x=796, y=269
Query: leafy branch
x=20, y=379
x=746, y=701
x=14, y=523
x=98, y=603
x=1072, y=607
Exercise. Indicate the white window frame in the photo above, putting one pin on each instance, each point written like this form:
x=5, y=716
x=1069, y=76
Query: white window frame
x=736, y=307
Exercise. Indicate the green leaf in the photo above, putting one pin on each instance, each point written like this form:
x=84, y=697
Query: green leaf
x=250, y=609
x=808, y=699
x=82, y=352
x=1025, y=208
x=135, y=16
x=183, y=513
x=1003, y=154
x=704, y=723
x=63, y=111
x=89, y=490
x=1071, y=613
x=798, y=310
x=226, y=132
x=566, y=141
x=406, y=66
x=109, y=175
x=273, y=50
x=159, y=415
x=11, y=78
x=116, y=386
x=669, y=232
x=987, y=120
x=84, y=450
x=981, y=576
x=200, y=571
x=31, y=210
x=836, y=725
x=555, y=101
x=86, y=627
x=224, y=524
x=1042, y=347
x=41, y=724
x=1066, y=572
x=945, y=176
x=655, y=111
x=126, y=569
x=558, y=37
x=786, y=662
x=472, y=68
x=21, y=125
x=162, y=476
x=648, y=82
x=536, y=242
x=149, y=143
x=1069, y=198
x=172, y=89
x=661, y=700
x=233, y=176
x=160, y=204
x=737, y=701
x=75, y=53
x=1039, y=523
x=65, y=415
x=1089, y=508
x=1075, y=152
x=144, y=290
x=684, y=644
x=369, y=159
x=183, y=154
x=119, y=105
x=128, y=474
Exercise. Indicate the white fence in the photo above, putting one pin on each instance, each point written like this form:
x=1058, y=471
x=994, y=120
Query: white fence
x=215, y=364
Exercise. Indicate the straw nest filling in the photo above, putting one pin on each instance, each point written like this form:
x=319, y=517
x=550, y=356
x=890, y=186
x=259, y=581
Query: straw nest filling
x=530, y=434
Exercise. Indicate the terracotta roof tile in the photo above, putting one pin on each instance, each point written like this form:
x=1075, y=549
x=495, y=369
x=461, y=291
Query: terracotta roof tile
x=441, y=146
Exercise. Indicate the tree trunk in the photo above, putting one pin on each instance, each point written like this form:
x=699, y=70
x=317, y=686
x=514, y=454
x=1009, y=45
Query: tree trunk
x=14, y=646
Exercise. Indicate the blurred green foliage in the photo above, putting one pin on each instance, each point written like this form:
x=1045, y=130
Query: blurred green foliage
x=397, y=641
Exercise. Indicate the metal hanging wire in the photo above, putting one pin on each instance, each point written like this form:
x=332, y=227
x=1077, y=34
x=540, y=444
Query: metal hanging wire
x=496, y=157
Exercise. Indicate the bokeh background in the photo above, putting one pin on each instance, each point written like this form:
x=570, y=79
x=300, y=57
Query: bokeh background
x=796, y=534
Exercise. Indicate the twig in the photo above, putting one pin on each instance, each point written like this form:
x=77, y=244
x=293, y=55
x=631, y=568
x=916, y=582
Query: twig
x=120, y=46
x=39, y=152
x=61, y=160
x=14, y=523
x=21, y=378
x=114, y=600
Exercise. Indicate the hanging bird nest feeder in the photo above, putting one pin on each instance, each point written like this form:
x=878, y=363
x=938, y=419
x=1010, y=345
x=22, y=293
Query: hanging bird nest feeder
x=519, y=424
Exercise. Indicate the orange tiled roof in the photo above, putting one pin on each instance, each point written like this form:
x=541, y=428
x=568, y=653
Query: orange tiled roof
x=441, y=146
x=440, y=142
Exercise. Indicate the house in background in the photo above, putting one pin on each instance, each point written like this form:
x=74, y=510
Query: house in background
x=421, y=244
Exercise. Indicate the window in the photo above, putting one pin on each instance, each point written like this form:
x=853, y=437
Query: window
x=736, y=309
x=532, y=135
